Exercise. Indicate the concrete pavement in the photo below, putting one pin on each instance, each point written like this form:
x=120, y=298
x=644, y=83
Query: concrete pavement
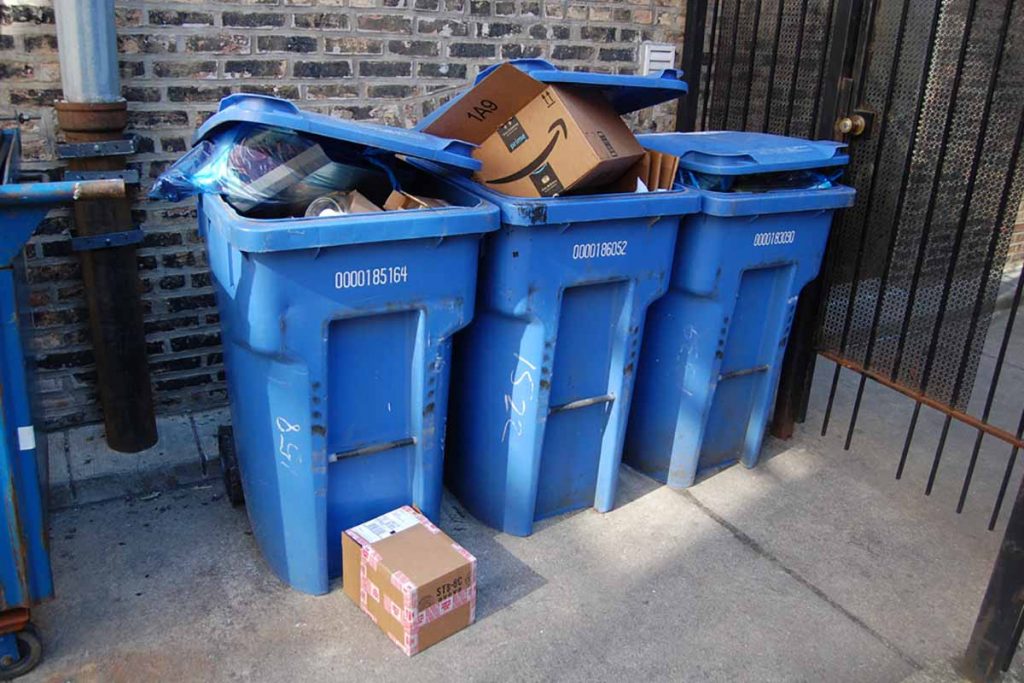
x=818, y=565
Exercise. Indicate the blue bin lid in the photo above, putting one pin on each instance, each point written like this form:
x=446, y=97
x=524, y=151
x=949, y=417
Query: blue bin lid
x=740, y=153
x=273, y=111
x=625, y=93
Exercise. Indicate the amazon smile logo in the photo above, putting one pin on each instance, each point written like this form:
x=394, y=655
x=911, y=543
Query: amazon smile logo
x=553, y=129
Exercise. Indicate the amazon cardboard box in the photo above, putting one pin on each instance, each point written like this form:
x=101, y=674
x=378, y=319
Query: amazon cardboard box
x=413, y=581
x=537, y=140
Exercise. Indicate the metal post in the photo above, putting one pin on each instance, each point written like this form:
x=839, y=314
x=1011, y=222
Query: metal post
x=87, y=41
x=93, y=112
x=997, y=631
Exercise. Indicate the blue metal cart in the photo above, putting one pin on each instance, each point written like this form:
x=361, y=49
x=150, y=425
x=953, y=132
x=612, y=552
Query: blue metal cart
x=25, y=574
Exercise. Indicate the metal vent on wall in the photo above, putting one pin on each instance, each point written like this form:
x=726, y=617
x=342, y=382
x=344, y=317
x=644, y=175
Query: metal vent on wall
x=656, y=57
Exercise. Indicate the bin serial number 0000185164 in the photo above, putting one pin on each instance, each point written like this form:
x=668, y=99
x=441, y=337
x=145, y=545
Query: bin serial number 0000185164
x=370, y=277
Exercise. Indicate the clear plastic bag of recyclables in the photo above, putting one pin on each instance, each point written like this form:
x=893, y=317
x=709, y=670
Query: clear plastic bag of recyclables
x=764, y=182
x=261, y=171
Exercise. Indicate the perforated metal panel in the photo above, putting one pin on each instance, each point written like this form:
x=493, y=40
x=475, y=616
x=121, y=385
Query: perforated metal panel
x=913, y=268
x=764, y=71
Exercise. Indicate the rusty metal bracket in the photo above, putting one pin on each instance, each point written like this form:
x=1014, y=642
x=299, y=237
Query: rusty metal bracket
x=970, y=420
x=108, y=240
x=104, y=148
x=14, y=620
x=129, y=176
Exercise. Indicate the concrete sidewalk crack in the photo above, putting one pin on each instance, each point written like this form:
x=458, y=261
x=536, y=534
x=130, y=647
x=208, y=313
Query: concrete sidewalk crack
x=66, y=438
x=199, y=444
x=756, y=547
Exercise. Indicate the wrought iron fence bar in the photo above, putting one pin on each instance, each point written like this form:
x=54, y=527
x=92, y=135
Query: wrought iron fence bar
x=712, y=43
x=751, y=62
x=796, y=60
x=979, y=300
x=929, y=213
x=771, y=68
x=871, y=196
x=708, y=66
x=1010, y=463
x=819, y=129
x=900, y=201
x=962, y=219
x=732, y=62
x=958, y=415
x=990, y=398
x=997, y=629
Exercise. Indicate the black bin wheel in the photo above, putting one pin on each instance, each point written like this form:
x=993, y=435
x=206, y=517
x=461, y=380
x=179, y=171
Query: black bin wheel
x=30, y=653
x=229, y=465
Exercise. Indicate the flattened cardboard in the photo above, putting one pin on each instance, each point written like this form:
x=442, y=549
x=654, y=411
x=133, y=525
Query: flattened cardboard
x=644, y=171
x=667, y=176
x=412, y=580
x=536, y=140
x=358, y=203
x=399, y=201
x=654, y=174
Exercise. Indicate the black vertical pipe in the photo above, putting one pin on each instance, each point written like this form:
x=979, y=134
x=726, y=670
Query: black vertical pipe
x=997, y=629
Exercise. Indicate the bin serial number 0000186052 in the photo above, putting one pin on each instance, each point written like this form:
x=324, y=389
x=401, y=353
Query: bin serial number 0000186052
x=370, y=277
x=589, y=250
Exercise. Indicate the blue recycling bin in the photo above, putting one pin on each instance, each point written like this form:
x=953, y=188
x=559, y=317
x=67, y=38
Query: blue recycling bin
x=543, y=377
x=337, y=342
x=714, y=344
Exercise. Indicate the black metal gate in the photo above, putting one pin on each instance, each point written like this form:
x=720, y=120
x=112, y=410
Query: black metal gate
x=930, y=97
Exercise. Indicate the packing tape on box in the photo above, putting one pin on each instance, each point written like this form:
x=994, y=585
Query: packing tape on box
x=372, y=589
x=369, y=556
x=403, y=583
x=472, y=577
x=466, y=596
x=364, y=591
x=428, y=525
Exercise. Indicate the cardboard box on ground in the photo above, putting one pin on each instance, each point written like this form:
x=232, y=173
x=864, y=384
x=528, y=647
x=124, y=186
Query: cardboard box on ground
x=412, y=580
x=537, y=140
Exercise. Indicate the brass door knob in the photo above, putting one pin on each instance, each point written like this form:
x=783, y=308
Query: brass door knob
x=851, y=125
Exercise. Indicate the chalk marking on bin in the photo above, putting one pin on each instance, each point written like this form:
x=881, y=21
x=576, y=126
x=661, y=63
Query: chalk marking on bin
x=518, y=411
x=285, y=447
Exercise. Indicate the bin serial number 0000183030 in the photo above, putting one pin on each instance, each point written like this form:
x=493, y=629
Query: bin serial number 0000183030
x=370, y=277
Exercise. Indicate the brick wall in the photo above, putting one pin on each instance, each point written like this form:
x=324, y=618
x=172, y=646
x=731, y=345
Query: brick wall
x=1015, y=253
x=386, y=60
